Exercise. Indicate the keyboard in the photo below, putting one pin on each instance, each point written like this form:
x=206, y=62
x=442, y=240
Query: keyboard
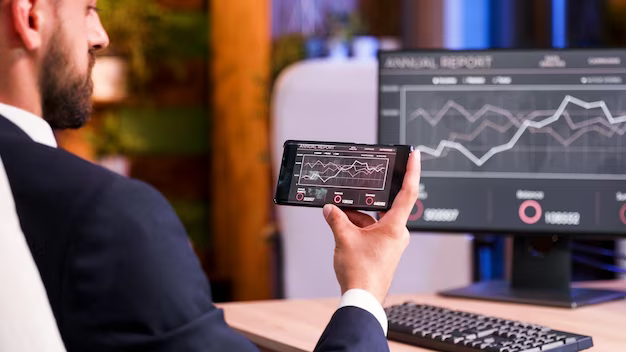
x=448, y=330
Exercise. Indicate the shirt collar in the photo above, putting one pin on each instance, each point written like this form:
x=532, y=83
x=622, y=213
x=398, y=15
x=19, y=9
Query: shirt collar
x=34, y=126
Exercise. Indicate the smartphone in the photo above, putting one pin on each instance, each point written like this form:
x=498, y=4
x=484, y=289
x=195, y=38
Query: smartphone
x=355, y=176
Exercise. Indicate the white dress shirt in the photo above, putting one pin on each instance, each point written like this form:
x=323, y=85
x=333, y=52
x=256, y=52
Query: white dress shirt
x=365, y=300
x=26, y=320
x=34, y=126
x=39, y=130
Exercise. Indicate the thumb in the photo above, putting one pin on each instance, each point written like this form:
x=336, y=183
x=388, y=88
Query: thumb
x=336, y=219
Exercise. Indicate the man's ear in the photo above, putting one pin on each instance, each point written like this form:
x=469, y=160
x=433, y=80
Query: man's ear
x=27, y=22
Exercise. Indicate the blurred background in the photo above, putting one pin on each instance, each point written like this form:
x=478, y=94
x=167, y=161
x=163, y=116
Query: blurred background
x=186, y=99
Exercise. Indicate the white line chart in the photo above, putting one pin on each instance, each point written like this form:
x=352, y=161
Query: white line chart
x=607, y=120
x=343, y=172
x=359, y=168
x=582, y=128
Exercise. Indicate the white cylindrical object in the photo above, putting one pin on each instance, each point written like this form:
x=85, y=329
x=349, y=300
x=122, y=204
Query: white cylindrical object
x=109, y=80
x=365, y=48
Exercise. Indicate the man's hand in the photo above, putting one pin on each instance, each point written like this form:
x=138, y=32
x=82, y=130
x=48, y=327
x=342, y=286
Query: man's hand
x=367, y=251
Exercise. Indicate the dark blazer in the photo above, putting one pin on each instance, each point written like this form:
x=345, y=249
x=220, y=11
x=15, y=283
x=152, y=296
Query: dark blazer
x=117, y=265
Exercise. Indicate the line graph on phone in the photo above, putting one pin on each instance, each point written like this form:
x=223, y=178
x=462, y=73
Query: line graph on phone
x=344, y=172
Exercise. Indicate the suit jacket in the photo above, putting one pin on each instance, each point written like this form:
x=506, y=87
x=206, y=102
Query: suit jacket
x=116, y=262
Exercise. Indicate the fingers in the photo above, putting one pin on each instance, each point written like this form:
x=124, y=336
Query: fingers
x=360, y=219
x=337, y=220
x=406, y=198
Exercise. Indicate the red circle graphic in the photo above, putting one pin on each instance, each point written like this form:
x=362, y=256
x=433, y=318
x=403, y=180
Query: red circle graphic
x=419, y=212
x=530, y=220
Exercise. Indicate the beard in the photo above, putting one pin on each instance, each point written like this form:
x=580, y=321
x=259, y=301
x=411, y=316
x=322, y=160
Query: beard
x=65, y=95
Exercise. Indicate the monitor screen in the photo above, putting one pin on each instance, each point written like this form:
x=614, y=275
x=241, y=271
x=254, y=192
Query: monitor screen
x=511, y=141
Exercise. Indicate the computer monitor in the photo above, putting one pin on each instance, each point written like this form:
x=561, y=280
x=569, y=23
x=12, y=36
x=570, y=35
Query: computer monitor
x=523, y=142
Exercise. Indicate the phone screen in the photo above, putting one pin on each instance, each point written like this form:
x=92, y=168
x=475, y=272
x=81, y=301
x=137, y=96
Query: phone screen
x=347, y=175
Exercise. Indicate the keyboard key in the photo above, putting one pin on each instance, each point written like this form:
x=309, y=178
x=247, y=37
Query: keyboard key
x=552, y=345
x=570, y=340
x=486, y=332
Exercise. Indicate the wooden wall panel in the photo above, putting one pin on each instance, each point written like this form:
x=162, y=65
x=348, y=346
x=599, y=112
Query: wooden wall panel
x=240, y=66
x=423, y=24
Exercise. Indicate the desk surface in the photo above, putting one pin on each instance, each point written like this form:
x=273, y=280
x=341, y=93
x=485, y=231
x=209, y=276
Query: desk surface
x=295, y=325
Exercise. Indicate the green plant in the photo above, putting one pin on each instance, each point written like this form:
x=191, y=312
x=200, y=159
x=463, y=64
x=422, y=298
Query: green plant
x=152, y=131
x=110, y=139
x=286, y=51
x=152, y=39
x=149, y=35
x=344, y=26
x=193, y=215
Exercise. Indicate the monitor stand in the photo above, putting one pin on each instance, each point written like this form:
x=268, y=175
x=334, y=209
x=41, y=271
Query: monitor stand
x=541, y=275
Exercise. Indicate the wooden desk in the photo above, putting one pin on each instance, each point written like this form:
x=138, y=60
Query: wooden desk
x=295, y=325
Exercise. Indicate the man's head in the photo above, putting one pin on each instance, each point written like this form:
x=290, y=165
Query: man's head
x=52, y=44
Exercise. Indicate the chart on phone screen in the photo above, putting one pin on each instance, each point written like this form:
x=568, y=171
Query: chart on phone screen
x=344, y=172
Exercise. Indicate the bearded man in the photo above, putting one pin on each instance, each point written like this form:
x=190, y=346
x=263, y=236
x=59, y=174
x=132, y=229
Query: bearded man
x=114, y=258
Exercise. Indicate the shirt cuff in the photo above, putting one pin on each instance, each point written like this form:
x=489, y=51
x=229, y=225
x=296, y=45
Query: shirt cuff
x=366, y=301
